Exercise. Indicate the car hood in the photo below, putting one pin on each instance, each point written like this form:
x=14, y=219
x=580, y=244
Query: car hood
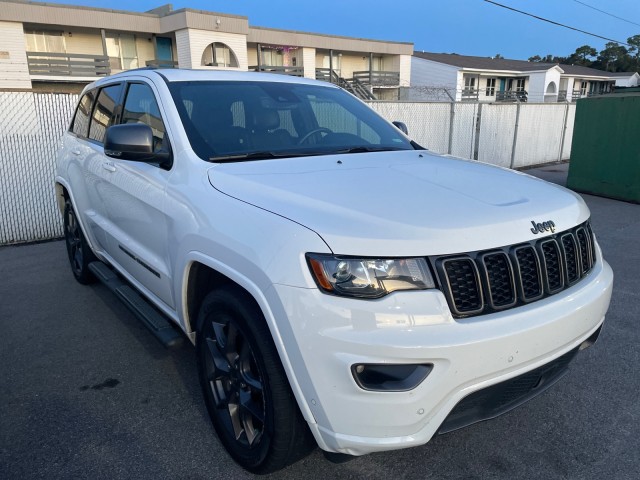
x=401, y=203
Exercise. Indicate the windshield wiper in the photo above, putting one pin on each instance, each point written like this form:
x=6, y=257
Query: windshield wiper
x=265, y=155
x=239, y=157
x=364, y=149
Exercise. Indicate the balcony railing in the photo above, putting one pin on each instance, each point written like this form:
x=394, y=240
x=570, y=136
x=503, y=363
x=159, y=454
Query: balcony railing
x=295, y=71
x=161, y=63
x=472, y=94
x=327, y=75
x=68, y=64
x=512, y=96
x=377, y=78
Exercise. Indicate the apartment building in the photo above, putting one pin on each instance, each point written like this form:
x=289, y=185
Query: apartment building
x=57, y=47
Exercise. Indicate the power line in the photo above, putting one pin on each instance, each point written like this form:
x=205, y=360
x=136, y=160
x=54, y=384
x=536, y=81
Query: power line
x=556, y=23
x=607, y=13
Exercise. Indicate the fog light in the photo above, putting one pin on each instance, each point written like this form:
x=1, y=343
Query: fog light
x=390, y=378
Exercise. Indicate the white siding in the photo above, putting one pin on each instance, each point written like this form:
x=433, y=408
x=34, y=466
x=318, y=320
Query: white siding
x=199, y=40
x=183, y=48
x=14, y=71
x=431, y=74
x=405, y=70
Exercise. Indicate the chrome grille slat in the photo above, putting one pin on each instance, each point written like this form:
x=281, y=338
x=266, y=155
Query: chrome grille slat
x=478, y=283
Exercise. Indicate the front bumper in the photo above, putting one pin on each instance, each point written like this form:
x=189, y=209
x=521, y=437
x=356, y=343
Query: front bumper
x=333, y=333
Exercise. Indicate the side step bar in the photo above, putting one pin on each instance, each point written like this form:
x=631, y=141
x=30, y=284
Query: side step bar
x=157, y=324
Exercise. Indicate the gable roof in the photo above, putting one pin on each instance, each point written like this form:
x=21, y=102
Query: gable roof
x=488, y=63
x=624, y=74
x=483, y=63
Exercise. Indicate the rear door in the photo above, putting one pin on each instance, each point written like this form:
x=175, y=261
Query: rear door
x=84, y=170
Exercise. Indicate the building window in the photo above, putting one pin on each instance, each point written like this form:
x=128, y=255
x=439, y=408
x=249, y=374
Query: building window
x=491, y=87
x=45, y=41
x=121, y=49
x=272, y=57
x=583, y=88
x=520, y=85
x=219, y=55
x=470, y=83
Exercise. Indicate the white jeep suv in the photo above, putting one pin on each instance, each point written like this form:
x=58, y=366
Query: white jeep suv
x=339, y=282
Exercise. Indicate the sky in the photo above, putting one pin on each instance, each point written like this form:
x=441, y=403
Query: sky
x=466, y=27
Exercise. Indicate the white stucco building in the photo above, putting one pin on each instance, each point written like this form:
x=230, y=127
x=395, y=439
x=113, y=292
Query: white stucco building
x=46, y=46
x=498, y=79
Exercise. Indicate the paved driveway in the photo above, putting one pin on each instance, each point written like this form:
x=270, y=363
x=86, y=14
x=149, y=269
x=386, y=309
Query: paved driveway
x=87, y=392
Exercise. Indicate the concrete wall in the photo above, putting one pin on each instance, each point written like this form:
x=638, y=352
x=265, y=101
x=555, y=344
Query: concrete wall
x=14, y=71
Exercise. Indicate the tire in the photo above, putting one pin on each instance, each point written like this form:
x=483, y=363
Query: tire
x=80, y=254
x=245, y=387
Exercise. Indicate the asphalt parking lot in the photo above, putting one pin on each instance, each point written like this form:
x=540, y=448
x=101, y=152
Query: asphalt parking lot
x=87, y=392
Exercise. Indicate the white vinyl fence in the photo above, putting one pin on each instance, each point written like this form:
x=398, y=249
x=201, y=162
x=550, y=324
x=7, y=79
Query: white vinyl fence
x=30, y=126
x=512, y=135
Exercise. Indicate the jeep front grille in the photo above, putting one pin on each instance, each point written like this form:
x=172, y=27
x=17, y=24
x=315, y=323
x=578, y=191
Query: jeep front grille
x=477, y=283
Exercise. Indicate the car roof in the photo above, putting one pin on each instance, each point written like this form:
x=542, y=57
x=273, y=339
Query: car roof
x=186, y=75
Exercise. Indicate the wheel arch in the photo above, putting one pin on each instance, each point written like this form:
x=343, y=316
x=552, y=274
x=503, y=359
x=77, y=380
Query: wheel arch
x=201, y=275
x=61, y=195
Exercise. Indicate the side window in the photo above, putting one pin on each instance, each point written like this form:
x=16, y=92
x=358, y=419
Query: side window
x=103, y=112
x=80, y=124
x=140, y=106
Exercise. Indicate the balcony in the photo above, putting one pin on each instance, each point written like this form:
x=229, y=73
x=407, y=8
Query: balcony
x=67, y=64
x=377, y=78
x=512, y=96
x=294, y=71
x=470, y=95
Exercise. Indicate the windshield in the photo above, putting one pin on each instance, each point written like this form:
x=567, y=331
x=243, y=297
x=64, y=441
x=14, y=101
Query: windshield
x=234, y=121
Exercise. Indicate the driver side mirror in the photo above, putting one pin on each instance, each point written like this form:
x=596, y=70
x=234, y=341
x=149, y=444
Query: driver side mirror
x=402, y=127
x=133, y=141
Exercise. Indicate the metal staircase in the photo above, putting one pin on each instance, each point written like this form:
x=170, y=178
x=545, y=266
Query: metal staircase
x=353, y=85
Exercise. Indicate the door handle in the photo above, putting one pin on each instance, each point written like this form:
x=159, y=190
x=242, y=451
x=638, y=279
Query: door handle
x=109, y=166
x=76, y=152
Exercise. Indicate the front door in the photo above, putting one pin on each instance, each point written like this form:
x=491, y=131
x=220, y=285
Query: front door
x=164, y=49
x=138, y=231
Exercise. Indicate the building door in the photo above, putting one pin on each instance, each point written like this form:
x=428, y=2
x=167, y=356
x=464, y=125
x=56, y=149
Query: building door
x=164, y=49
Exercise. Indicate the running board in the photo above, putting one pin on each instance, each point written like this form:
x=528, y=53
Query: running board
x=157, y=324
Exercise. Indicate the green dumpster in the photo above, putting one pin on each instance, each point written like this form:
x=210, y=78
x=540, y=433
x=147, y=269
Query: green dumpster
x=605, y=152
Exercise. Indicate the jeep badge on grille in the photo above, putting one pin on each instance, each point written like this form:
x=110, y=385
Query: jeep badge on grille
x=547, y=226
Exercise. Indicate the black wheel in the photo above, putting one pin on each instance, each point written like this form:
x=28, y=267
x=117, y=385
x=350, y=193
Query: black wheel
x=245, y=388
x=80, y=255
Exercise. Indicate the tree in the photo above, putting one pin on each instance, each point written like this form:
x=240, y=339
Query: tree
x=581, y=56
x=635, y=45
x=614, y=57
x=498, y=56
x=634, y=48
x=535, y=58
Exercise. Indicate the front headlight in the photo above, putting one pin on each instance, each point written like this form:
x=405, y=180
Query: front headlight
x=369, y=277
